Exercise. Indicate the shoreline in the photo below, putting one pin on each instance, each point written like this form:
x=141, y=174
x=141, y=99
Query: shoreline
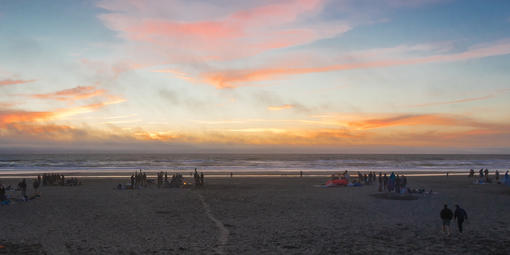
x=225, y=174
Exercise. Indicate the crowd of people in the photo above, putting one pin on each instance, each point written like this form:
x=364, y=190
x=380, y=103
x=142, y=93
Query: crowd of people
x=138, y=179
x=163, y=179
x=199, y=178
x=51, y=179
x=22, y=188
x=484, y=176
x=394, y=183
x=176, y=180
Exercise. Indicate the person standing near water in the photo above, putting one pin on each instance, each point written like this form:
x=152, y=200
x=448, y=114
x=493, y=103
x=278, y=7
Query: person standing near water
x=460, y=216
x=385, y=182
x=380, y=182
x=446, y=215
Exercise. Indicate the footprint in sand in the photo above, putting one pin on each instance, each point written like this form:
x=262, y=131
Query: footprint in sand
x=223, y=232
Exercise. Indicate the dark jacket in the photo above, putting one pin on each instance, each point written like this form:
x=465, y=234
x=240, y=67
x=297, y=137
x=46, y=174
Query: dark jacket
x=446, y=214
x=460, y=214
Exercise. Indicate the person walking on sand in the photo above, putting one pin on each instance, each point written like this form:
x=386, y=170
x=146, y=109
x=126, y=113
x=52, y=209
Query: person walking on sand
x=446, y=215
x=497, y=175
x=460, y=215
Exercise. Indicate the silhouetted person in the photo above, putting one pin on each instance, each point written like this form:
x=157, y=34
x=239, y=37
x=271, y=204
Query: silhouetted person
x=385, y=182
x=2, y=193
x=397, y=184
x=132, y=181
x=231, y=174
x=23, y=187
x=380, y=181
x=300, y=173
x=446, y=215
x=391, y=182
x=36, y=185
x=202, y=179
x=497, y=175
x=460, y=216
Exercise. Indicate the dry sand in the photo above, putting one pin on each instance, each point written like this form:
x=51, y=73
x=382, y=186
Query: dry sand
x=255, y=216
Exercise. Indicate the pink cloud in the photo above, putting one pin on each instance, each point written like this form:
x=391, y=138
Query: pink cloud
x=239, y=33
x=242, y=77
x=14, y=82
x=77, y=93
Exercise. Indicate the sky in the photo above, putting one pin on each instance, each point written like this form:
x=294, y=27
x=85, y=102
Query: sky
x=310, y=76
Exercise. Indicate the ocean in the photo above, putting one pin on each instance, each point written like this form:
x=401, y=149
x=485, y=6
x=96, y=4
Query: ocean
x=10, y=163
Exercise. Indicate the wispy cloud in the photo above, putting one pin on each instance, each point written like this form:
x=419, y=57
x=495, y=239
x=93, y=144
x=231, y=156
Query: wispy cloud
x=280, y=107
x=241, y=77
x=178, y=74
x=14, y=82
x=19, y=116
x=77, y=93
x=416, y=120
x=464, y=100
x=245, y=29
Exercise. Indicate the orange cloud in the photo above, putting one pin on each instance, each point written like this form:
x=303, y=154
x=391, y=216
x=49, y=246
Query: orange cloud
x=413, y=120
x=236, y=78
x=348, y=137
x=38, y=130
x=280, y=107
x=14, y=82
x=62, y=113
x=77, y=93
x=9, y=117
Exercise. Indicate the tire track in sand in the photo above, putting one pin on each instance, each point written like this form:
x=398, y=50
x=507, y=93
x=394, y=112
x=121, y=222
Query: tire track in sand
x=223, y=232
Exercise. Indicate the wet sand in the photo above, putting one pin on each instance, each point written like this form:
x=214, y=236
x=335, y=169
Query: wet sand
x=255, y=216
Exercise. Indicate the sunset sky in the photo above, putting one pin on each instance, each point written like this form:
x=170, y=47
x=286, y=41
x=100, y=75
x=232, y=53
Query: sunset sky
x=345, y=76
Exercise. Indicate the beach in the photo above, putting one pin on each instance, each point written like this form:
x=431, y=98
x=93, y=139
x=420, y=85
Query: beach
x=256, y=215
